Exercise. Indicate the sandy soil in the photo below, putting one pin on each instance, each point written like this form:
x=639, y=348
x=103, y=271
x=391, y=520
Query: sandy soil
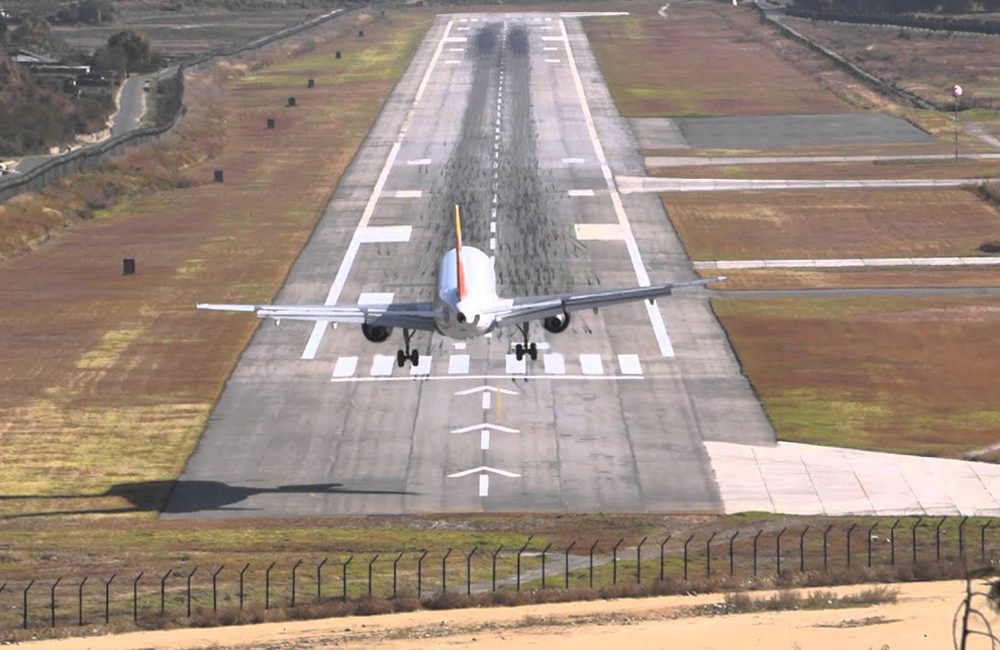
x=920, y=619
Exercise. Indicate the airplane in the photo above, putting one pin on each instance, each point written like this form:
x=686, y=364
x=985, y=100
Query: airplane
x=466, y=305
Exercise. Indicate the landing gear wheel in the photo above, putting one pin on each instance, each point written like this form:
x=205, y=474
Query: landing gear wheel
x=400, y=358
x=529, y=349
x=533, y=352
x=415, y=358
x=519, y=352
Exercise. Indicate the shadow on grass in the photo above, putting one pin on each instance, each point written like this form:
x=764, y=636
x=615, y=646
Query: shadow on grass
x=180, y=497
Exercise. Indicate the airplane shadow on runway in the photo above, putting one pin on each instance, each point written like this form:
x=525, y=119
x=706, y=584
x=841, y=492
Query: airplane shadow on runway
x=179, y=497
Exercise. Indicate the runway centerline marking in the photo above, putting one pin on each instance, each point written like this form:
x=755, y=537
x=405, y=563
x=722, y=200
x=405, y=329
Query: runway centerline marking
x=320, y=327
x=655, y=317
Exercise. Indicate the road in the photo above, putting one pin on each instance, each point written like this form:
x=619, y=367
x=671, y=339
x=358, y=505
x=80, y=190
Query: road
x=509, y=116
x=131, y=108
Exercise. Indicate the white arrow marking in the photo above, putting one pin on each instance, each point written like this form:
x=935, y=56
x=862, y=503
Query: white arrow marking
x=486, y=426
x=484, y=468
x=492, y=389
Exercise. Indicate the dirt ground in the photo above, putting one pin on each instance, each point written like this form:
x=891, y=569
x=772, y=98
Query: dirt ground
x=921, y=618
x=909, y=375
x=798, y=224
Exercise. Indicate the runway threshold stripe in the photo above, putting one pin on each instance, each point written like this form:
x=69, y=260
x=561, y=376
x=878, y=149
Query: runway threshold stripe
x=591, y=364
x=555, y=364
x=510, y=376
x=458, y=364
x=382, y=365
x=345, y=367
x=629, y=364
x=424, y=367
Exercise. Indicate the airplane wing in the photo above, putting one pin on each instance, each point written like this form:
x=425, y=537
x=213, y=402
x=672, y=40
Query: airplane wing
x=521, y=310
x=414, y=316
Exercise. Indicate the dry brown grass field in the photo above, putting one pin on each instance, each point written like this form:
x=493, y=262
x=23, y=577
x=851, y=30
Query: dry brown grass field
x=796, y=224
x=107, y=380
x=923, y=62
x=911, y=375
x=707, y=57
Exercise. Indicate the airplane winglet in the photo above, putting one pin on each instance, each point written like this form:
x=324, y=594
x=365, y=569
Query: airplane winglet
x=458, y=254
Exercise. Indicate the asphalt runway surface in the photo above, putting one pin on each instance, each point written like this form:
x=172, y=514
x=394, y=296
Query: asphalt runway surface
x=770, y=131
x=509, y=116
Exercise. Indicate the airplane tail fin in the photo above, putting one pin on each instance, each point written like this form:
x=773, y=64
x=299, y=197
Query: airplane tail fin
x=458, y=254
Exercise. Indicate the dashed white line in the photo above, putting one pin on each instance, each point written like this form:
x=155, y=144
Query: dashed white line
x=572, y=161
x=484, y=485
x=487, y=398
x=386, y=234
x=550, y=49
x=493, y=243
x=408, y=194
x=553, y=61
x=419, y=161
x=581, y=192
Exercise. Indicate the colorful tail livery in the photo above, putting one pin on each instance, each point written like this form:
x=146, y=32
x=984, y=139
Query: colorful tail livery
x=465, y=305
x=460, y=274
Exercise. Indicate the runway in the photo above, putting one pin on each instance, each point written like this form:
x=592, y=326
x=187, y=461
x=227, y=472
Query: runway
x=508, y=116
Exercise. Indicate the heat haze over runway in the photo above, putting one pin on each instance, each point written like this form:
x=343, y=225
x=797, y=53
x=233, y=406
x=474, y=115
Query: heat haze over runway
x=508, y=116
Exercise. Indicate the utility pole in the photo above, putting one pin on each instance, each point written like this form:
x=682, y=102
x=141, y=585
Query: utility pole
x=956, y=92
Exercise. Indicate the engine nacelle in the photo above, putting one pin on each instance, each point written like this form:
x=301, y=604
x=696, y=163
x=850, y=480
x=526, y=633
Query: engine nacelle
x=556, y=324
x=376, y=333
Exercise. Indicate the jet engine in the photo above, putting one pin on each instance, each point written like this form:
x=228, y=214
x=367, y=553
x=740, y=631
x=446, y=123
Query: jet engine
x=556, y=324
x=376, y=333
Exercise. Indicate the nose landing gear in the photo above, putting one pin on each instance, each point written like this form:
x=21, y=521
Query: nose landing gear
x=402, y=356
x=529, y=349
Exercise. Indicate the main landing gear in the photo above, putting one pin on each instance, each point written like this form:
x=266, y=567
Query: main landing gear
x=526, y=349
x=402, y=356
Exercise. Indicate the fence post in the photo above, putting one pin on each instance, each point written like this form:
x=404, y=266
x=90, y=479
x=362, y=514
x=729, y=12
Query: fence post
x=961, y=538
x=163, y=591
x=395, y=563
x=870, y=531
x=591, y=578
x=267, y=586
x=190, y=575
x=732, y=539
x=468, y=569
x=242, y=573
x=370, y=564
x=708, y=555
x=686, y=542
x=544, y=552
x=937, y=540
x=107, y=599
x=614, y=561
x=319, y=579
x=215, y=588
x=638, y=561
x=802, y=549
x=777, y=551
x=79, y=601
x=850, y=530
x=826, y=557
x=913, y=535
x=663, y=544
x=420, y=573
x=755, y=538
x=568, y=549
x=24, y=611
x=444, y=575
x=892, y=543
x=982, y=541
x=295, y=570
x=343, y=578
x=52, y=600
x=497, y=552
x=519, y=552
x=135, y=597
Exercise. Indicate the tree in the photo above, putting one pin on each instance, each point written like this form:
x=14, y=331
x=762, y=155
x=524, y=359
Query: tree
x=136, y=48
x=33, y=33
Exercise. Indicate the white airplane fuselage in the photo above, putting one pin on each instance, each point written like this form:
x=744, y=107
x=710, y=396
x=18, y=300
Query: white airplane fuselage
x=463, y=316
